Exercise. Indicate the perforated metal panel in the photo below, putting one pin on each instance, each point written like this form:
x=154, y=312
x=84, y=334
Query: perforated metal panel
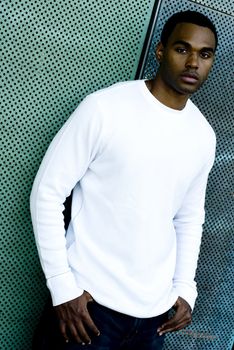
x=213, y=321
x=53, y=53
x=226, y=6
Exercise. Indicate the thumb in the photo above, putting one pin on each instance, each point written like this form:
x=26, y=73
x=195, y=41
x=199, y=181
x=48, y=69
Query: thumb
x=88, y=296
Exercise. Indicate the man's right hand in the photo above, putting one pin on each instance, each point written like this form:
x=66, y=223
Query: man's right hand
x=75, y=320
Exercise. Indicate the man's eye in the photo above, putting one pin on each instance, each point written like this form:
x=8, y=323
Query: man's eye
x=205, y=54
x=181, y=50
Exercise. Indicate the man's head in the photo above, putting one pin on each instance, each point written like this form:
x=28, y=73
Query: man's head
x=187, y=17
x=186, y=51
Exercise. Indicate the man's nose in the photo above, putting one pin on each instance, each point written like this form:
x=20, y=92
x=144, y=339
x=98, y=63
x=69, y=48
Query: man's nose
x=192, y=61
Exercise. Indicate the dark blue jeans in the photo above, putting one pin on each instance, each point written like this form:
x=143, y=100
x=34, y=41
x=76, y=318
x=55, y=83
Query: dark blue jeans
x=118, y=331
x=122, y=332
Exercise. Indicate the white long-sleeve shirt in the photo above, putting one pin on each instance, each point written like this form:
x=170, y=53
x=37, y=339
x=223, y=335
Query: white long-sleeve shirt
x=139, y=171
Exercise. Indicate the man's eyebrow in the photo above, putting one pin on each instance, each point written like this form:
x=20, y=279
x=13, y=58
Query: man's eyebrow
x=186, y=44
x=208, y=49
x=182, y=42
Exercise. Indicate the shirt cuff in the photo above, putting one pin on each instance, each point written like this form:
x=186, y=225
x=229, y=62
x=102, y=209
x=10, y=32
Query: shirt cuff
x=187, y=292
x=63, y=288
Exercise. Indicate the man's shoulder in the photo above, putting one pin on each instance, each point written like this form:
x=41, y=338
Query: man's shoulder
x=116, y=89
x=201, y=120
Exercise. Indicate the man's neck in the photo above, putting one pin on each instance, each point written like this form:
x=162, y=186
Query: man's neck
x=168, y=97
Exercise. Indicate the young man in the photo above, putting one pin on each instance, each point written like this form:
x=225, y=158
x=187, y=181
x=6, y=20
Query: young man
x=137, y=156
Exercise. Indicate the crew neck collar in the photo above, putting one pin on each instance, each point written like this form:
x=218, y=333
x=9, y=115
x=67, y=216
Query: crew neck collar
x=156, y=103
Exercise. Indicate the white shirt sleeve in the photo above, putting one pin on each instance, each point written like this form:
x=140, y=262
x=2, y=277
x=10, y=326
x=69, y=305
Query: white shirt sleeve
x=65, y=162
x=188, y=225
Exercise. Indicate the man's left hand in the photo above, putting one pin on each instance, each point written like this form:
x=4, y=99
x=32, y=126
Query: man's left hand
x=181, y=319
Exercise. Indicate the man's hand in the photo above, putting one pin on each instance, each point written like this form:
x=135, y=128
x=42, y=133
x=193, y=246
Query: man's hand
x=74, y=319
x=181, y=319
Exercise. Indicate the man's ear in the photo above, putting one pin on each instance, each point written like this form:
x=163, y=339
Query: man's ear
x=159, y=52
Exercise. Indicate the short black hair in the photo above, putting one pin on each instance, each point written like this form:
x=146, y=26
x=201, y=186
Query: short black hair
x=193, y=17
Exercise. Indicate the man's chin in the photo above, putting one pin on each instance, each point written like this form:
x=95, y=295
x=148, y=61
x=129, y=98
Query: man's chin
x=188, y=90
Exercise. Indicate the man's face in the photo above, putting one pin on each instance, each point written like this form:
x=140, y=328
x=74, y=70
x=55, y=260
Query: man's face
x=187, y=58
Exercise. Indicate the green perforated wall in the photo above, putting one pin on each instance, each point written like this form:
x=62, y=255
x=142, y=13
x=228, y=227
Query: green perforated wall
x=52, y=54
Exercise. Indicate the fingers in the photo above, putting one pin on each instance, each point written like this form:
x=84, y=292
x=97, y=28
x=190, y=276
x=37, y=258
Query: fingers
x=82, y=324
x=62, y=327
x=174, y=324
x=77, y=329
x=75, y=333
x=181, y=319
x=75, y=320
x=90, y=324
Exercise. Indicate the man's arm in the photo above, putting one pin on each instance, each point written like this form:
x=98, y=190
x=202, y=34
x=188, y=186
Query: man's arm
x=65, y=162
x=188, y=226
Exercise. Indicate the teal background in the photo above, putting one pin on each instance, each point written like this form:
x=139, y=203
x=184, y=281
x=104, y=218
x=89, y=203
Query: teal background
x=53, y=53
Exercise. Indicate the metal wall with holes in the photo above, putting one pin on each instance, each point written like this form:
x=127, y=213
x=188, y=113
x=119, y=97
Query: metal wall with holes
x=53, y=53
x=213, y=321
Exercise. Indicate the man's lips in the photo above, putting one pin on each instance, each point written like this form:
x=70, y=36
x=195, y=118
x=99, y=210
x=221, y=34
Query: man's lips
x=190, y=78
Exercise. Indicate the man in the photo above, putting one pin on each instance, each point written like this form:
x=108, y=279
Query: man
x=137, y=156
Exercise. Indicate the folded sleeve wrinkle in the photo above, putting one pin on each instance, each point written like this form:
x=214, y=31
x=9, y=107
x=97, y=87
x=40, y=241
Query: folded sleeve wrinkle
x=188, y=226
x=65, y=162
